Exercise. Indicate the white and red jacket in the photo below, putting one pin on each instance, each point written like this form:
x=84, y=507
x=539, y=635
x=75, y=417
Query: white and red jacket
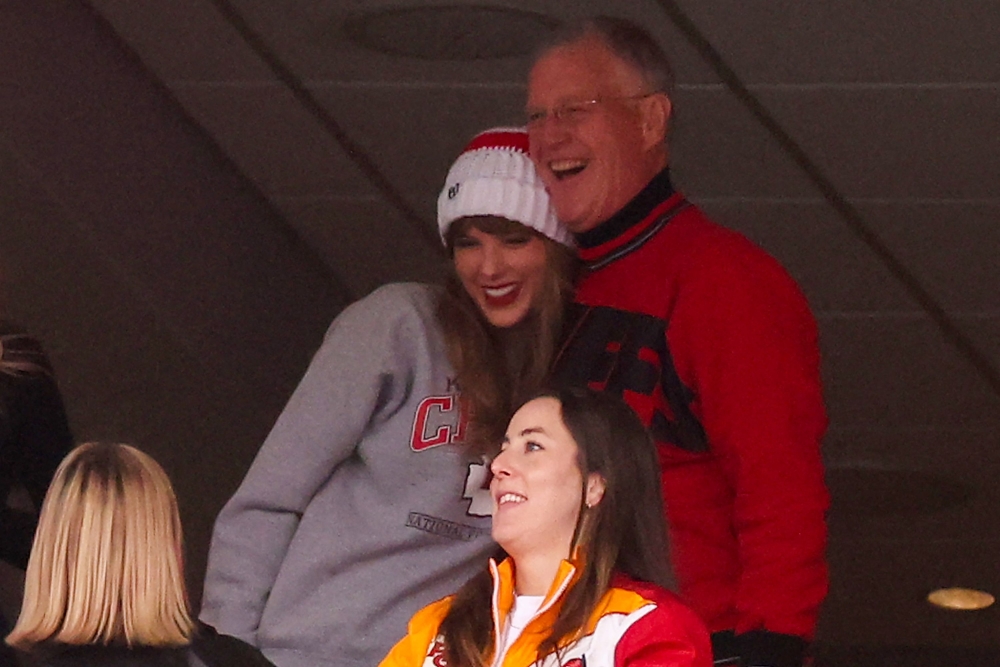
x=635, y=624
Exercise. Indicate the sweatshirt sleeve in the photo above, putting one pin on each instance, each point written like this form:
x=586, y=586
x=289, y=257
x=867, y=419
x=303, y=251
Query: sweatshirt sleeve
x=749, y=350
x=359, y=376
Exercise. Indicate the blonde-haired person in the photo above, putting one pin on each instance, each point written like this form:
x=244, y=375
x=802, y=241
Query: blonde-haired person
x=105, y=579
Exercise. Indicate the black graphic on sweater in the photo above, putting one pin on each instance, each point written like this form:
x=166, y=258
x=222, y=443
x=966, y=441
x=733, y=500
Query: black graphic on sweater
x=626, y=354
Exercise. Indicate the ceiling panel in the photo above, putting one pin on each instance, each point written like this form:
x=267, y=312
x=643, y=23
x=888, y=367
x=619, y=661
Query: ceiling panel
x=950, y=247
x=274, y=140
x=417, y=133
x=786, y=41
x=894, y=371
x=365, y=242
x=183, y=40
x=985, y=333
x=719, y=150
x=310, y=38
x=938, y=143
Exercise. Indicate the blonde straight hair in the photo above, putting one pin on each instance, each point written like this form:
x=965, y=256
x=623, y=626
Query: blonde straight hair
x=106, y=565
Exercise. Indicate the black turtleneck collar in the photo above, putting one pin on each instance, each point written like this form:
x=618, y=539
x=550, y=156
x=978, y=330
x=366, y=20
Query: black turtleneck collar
x=655, y=192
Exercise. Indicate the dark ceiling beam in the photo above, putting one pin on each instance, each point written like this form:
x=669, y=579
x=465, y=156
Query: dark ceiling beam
x=426, y=229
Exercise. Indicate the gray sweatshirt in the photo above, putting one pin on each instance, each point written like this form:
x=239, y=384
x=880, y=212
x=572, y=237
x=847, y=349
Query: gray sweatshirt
x=359, y=508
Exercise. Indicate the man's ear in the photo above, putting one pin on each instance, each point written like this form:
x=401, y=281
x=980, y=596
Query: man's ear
x=655, y=119
x=595, y=489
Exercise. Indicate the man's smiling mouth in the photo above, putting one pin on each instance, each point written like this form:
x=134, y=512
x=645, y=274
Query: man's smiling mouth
x=565, y=168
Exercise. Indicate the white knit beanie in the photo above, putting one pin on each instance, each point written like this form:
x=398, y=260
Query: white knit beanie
x=495, y=176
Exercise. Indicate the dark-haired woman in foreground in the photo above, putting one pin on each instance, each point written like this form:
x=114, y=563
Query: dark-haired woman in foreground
x=579, y=513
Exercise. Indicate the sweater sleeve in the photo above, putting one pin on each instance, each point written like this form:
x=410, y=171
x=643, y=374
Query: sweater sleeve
x=747, y=346
x=359, y=376
x=670, y=635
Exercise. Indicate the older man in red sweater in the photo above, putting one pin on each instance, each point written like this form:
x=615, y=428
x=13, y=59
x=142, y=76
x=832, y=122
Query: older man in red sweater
x=701, y=332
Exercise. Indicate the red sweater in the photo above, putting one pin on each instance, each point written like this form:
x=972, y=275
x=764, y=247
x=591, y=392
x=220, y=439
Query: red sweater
x=675, y=305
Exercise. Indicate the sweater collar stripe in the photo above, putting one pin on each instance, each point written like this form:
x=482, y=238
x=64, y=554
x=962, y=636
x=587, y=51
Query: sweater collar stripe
x=636, y=237
x=611, y=231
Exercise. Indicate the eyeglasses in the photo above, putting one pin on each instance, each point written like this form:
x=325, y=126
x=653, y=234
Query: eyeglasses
x=576, y=112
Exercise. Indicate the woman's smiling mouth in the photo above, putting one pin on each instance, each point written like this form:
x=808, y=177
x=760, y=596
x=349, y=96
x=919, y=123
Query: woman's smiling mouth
x=499, y=296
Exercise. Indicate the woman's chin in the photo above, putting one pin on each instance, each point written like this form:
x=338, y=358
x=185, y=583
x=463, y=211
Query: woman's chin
x=506, y=538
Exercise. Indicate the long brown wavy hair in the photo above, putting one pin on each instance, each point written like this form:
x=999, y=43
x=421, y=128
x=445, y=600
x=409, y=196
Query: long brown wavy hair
x=497, y=369
x=625, y=532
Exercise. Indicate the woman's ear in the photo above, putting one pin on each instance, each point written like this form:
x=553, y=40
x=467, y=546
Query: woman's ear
x=595, y=490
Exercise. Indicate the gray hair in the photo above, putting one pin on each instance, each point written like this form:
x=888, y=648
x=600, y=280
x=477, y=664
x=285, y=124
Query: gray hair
x=627, y=40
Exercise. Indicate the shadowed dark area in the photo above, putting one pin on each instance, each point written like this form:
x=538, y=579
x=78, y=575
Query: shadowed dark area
x=906, y=656
x=869, y=491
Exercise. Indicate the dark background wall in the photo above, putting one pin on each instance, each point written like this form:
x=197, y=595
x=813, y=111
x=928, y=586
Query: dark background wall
x=177, y=306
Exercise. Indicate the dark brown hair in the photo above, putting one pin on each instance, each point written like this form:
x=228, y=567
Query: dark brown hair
x=498, y=369
x=625, y=532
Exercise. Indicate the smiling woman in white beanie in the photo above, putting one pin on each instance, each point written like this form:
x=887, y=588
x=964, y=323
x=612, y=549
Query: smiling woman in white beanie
x=513, y=269
x=370, y=498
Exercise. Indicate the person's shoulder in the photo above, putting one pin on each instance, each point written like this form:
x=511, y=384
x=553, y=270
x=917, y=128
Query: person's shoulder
x=405, y=291
x=707, y=239
x=394, y=297
x=433, y=613
x=713, y=254
x=394, y=302
x=665, y=609
x=650, y=593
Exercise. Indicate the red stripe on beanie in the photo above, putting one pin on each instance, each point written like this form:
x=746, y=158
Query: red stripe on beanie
x=511, y=140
